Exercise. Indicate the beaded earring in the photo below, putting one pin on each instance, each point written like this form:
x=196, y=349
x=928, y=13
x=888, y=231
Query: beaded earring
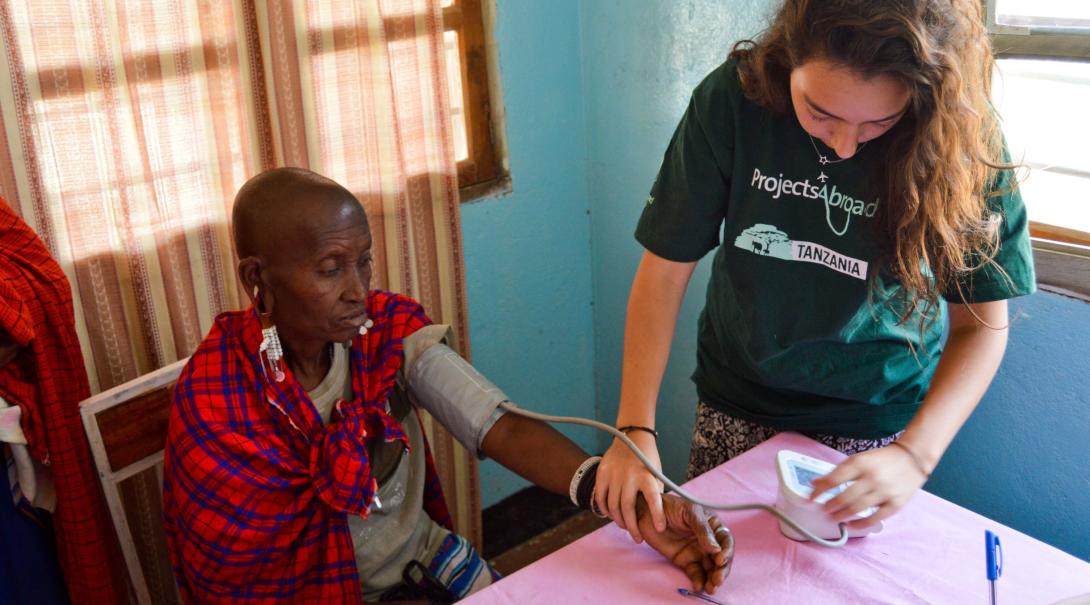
x=270, y=352
x=367, y=325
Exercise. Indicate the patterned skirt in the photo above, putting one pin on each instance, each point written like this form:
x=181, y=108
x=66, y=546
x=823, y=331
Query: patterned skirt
x=718, y=437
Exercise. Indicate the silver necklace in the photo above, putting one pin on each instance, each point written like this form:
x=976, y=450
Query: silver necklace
x=824, y=159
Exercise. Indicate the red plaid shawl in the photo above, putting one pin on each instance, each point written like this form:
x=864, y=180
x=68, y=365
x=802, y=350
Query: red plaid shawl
x=47, y=380
x=257, y=491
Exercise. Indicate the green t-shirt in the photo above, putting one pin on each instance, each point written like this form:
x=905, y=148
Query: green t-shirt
x=788, y=337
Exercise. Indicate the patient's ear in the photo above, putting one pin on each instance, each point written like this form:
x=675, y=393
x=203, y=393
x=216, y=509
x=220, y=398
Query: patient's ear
x=249, y=273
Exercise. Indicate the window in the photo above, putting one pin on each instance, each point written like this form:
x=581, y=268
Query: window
x=477, y=134
x=1042, y=90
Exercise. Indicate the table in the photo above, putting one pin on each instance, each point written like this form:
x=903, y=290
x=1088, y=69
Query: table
x=930, y=552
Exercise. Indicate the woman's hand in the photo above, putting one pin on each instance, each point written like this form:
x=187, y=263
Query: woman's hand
x=621, y=477
x=694, y=541
x=886, y=477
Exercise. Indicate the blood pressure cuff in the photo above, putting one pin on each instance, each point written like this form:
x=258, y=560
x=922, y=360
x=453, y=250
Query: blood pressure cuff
x=450, y=389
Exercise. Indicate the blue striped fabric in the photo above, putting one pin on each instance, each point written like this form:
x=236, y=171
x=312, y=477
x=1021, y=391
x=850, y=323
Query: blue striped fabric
x=460, y=567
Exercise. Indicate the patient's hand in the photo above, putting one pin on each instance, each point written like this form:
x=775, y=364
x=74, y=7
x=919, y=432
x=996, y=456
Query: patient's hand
x=694, y=541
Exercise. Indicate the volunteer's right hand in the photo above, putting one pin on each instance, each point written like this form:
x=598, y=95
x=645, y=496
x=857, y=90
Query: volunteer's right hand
x=621, y=476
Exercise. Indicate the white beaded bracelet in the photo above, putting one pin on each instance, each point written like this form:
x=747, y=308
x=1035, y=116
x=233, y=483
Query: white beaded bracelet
x=579, y=472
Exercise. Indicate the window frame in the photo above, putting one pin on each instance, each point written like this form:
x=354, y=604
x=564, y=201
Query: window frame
x=1028, y=41
x=485, y=171
x=1061, y=255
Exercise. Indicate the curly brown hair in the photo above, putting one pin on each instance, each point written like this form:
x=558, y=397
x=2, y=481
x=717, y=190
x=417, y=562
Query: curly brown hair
x=935, y=224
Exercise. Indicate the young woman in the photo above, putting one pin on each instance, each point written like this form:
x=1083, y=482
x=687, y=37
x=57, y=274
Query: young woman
x=852, y=164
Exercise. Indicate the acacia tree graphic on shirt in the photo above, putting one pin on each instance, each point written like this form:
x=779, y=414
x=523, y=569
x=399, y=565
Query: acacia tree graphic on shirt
x=767, y=240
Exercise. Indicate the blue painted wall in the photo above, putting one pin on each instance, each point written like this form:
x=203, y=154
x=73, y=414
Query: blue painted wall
x=528, y=253
x=1023, y=458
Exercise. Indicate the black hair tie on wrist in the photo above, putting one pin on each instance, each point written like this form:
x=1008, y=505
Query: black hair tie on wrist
x=646, y=429
x=915, y=459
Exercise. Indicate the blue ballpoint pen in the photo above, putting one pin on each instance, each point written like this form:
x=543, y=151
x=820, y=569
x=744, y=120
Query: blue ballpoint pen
x=993, y=557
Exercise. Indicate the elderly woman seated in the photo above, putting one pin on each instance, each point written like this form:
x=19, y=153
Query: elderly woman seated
x=296, y=469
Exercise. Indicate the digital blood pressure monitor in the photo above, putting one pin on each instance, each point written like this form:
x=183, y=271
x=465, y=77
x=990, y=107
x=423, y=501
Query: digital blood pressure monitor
x=799, y=518
x=797, y=473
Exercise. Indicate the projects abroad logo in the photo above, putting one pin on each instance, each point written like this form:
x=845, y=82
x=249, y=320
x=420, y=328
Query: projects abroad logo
x=779, y=187
x=767, y=240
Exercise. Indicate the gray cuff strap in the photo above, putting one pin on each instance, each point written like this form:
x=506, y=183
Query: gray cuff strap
x=456, y=395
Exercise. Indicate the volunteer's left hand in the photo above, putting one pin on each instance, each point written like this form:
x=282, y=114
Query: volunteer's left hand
x=885, y=477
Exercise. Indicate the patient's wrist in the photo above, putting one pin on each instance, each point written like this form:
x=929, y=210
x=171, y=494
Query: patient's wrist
x=581, y=488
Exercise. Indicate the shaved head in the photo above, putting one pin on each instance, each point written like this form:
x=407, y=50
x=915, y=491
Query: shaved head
x=286, y=207
x=304, y=259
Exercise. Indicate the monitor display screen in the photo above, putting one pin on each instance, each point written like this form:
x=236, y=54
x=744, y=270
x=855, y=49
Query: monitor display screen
x=806, y=476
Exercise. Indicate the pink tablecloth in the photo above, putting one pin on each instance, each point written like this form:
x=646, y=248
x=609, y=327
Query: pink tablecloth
x=931, y=552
